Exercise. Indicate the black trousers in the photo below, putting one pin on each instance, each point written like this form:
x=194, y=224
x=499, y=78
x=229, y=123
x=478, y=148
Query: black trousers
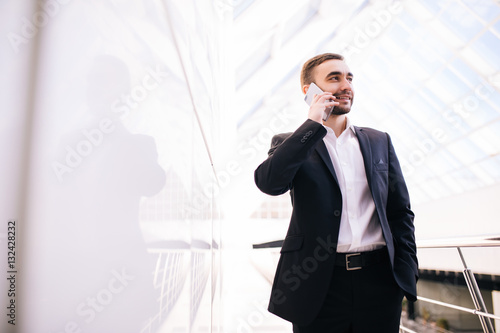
x=360, y=301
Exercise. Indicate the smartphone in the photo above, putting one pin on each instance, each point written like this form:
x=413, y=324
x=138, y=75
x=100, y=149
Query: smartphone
x=314, y=89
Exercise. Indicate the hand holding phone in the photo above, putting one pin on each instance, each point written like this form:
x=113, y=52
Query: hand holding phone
x=315, y=90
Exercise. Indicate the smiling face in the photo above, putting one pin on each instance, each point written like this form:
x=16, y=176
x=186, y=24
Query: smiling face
x=334, y=76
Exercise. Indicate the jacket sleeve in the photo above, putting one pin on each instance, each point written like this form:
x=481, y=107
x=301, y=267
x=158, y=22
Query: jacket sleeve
x=275, y=175
x=400, y=215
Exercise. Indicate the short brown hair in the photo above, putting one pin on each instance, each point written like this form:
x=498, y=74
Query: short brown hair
x=306, y=75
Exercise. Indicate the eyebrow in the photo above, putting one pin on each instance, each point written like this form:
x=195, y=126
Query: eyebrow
x=339, y=73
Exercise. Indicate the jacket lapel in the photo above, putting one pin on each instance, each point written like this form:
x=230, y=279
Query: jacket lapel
x=366, y=151
x=323, y=153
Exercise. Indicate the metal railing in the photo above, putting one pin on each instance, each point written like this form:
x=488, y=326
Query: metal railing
x=459, y=243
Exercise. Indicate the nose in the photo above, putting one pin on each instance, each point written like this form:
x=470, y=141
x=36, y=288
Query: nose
x=345, y=85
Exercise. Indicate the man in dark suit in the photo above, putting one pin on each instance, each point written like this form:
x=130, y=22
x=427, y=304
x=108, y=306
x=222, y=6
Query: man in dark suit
x=349, y=255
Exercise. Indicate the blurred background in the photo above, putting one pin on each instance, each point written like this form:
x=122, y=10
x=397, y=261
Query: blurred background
x=131, y=129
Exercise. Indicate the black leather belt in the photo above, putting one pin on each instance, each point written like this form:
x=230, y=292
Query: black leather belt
x=355, y=261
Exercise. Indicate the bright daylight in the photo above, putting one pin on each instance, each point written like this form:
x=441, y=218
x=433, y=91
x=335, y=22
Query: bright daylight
x=250, y=166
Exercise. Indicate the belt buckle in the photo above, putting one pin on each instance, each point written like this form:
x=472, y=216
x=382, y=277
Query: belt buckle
x=347, y=262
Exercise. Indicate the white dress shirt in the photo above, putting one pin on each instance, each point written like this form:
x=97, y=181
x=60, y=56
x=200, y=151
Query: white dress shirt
x=359, y=224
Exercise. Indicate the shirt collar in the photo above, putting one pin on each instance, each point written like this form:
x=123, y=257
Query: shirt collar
x=348, y=125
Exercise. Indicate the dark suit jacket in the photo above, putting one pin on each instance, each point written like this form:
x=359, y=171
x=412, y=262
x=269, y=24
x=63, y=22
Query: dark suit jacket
x=299, y=162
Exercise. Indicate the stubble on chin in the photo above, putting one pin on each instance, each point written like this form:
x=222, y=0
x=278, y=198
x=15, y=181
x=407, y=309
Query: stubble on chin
x=340, y=111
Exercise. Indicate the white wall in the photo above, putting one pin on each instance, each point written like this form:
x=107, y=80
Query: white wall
x=470, y=214
x=108, y=173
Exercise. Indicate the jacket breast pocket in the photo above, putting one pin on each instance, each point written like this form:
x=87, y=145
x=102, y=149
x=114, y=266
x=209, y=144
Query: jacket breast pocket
x=380, y=166
x=292, y=243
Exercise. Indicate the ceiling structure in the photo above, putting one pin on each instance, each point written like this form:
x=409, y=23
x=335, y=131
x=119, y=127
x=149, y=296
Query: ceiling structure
x=427, y=72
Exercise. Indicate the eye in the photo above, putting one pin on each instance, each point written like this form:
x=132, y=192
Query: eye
x=349, y=79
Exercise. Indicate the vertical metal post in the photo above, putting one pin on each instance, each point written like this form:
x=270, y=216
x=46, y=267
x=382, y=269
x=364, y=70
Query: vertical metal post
x=477, y=298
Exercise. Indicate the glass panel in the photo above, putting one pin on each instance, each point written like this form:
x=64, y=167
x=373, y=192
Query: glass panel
x=496, y=27
x=436, y=6
x=253, y=61
x=486, y=9
x=452, y=182
x=492, y=167
x=481, y=174
x=418, y=109
x=487, y=45
x=239, y=6
x=465, y=72
x=438, y=189
x=476, y=112
x=121, y=214
x=487, y=139
x=466, y=151
x=455, y=86
x=460, y=21
x=417, y=195
x=439, y=163
x=466, y=179
x=296, y=22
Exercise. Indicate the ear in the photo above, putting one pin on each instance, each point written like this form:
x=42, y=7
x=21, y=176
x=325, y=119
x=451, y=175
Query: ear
x=305, y=88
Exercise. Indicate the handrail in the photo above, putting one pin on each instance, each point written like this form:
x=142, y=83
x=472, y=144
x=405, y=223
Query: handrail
x=458, y=243
x=405, y=329
x=456, y=307
x=474, y=241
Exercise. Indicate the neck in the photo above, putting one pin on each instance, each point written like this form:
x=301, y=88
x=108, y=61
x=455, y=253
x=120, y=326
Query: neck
x=337, y=123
